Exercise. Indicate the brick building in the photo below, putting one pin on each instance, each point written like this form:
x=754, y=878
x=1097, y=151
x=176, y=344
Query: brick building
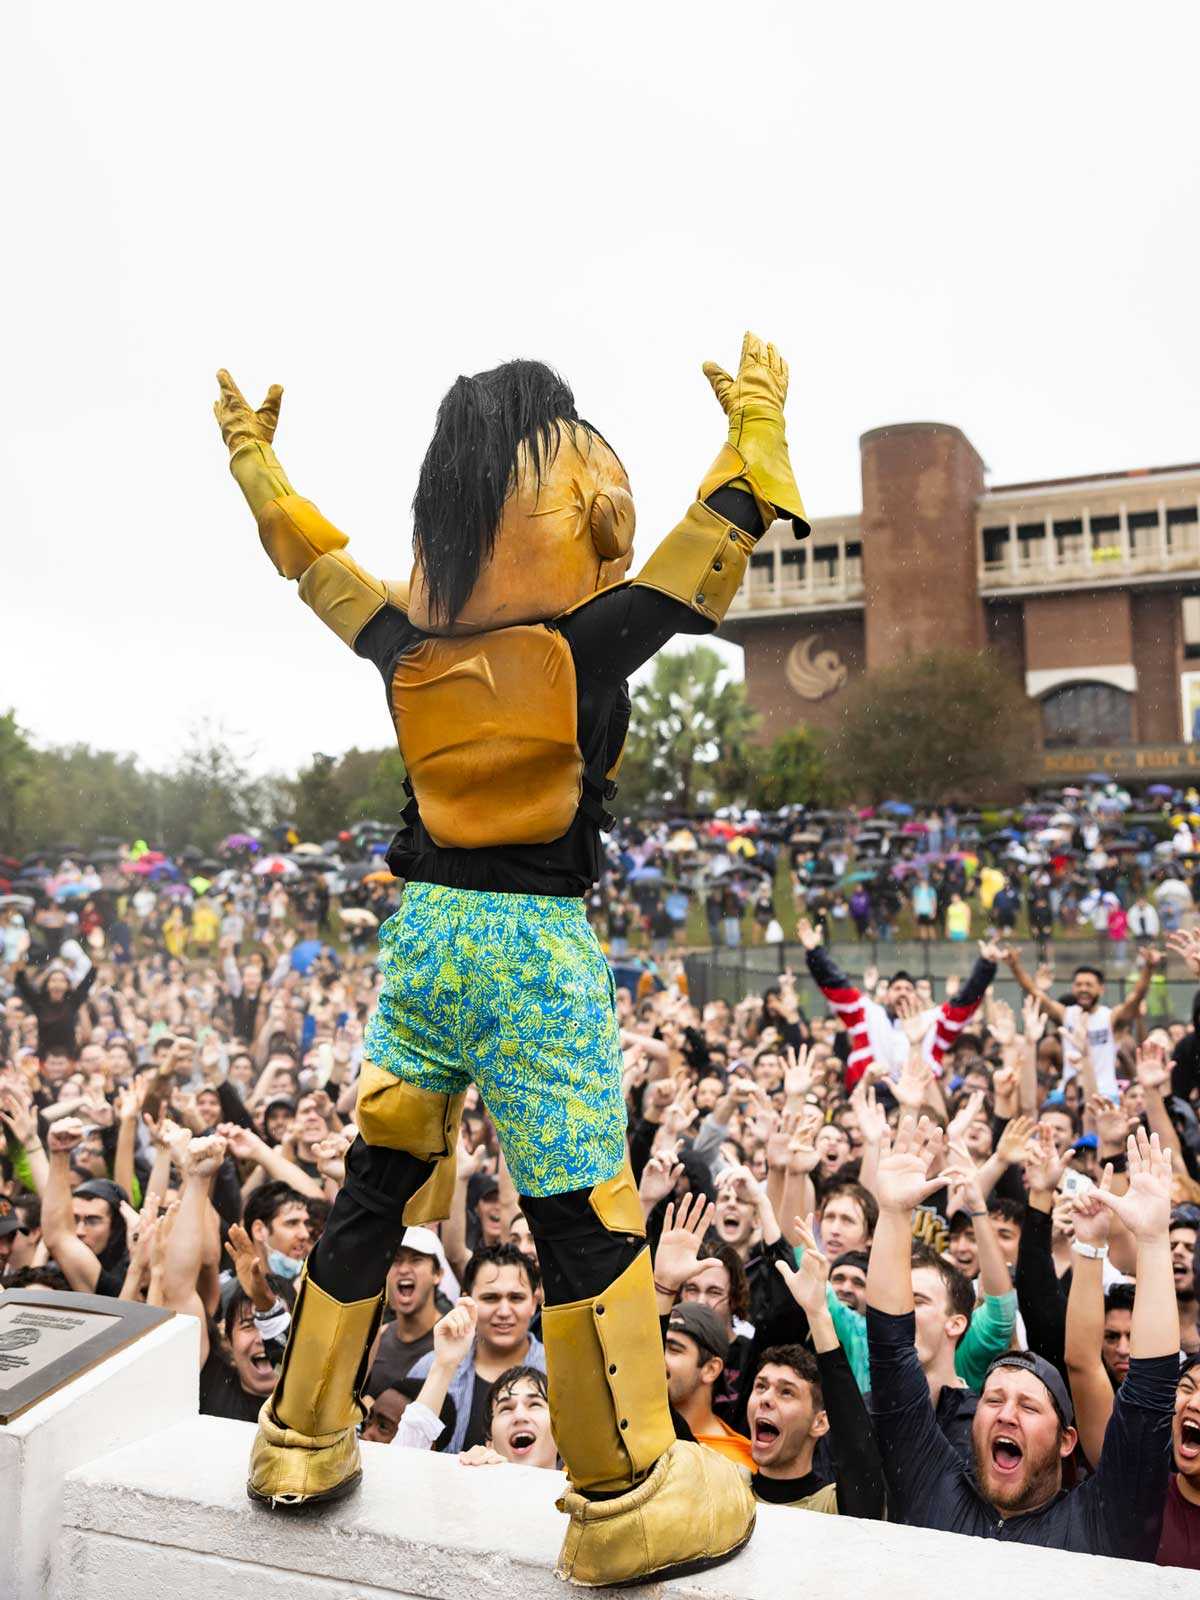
x=1088, y=589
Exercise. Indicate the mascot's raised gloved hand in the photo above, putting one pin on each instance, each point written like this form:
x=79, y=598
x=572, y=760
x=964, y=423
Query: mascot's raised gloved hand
x=753, y=402
x=239, y=424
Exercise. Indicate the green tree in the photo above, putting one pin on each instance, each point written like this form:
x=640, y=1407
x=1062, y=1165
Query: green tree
x=18, y=771
x=941, y=727
x=688, y=732
x=207, y=794
x=791, y=770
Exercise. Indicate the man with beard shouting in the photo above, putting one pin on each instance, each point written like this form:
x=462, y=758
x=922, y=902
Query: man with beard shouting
x=1023, y=1431
x=1103, y=1022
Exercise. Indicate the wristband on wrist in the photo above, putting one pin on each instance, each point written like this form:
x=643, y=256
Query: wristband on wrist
x=1094, y=1252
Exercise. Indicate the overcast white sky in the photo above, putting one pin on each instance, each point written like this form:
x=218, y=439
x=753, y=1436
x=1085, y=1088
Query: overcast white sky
x=988, y=215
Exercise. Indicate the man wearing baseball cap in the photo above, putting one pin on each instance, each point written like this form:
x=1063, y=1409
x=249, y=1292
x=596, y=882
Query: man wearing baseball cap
x=1024, y=1428
x=411, y=1291
x=696, y=1347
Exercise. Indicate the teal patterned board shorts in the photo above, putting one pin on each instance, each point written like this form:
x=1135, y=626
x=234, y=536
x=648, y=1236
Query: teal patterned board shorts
x=510, y=992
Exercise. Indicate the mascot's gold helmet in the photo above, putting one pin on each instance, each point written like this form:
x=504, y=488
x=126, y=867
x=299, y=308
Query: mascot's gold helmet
x=522, y=509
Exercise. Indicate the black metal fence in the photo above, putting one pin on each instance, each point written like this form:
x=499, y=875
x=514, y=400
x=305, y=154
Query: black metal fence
x=732, y=974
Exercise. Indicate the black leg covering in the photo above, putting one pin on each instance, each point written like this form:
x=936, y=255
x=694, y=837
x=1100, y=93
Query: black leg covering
x=578, y=1256
x=352, y=1258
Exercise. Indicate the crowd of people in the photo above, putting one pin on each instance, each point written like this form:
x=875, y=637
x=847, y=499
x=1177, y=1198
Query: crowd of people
x=916, y=1256
x=1082, y=864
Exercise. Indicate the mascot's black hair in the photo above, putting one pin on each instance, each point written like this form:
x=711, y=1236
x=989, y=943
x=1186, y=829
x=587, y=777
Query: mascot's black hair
x=469, y=468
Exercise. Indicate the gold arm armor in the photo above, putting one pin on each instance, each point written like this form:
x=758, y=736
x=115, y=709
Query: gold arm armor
x=701, y=561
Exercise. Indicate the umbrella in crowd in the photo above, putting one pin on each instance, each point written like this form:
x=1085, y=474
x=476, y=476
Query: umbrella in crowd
x=239, y=841
x=305, y=954
x=275, y=867
x=359, y=917
x=381, y=877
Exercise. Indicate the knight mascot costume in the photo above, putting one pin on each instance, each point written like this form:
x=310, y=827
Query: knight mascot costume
x=505, y=659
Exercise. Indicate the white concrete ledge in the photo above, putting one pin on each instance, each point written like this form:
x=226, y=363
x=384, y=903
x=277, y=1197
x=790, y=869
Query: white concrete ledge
x=170, y=1517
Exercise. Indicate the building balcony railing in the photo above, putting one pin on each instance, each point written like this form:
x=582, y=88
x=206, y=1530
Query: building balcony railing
x=1065, y=563
x=761, y=593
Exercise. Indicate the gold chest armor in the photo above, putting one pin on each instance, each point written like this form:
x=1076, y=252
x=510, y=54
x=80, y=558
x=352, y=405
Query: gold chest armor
x=488, y=729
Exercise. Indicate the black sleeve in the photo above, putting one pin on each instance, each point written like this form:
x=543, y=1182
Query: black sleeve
x=824, y=970
x=387, y=636
x=641, y=1141
x=855, y=1449
x=1040, y=1297
x=1184, y=1061
x=976, y=986
x=617, y=632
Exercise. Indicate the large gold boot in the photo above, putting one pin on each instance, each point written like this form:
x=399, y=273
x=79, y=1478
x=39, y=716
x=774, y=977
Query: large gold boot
x=671, y=1507
x=306, y=1448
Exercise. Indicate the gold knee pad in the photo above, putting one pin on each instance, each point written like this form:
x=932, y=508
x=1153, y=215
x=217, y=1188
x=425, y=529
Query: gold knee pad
x=400, y=1116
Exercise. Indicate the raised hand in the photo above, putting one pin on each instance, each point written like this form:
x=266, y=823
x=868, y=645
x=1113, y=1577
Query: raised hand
x=240, y=424
x=901, y=1180
x=1003, y=1023
x=1033, y=1020
x=808, y=936
x=454, y=1335
x=964, y=1117
x=1153, y=1068
x=660, y=1175
x=329, y=1154
x=1112, y=1124
x=1005, y=1091
x=203, y=1157
x=807, y=1284
x=1185, y=942
x=797, y=1077
x=1145, y=1207
x=872, y=1119
x=679, y=1243
x=65, y=1135
x=19, y=1118
x=915, y=1082
x=248, y=1265
x=1013, y=1143
x=803, y=1155
x=1093, y=1219
x=762, y=378
x=993, y=950
x=1044, y=1166
x=243, y=1143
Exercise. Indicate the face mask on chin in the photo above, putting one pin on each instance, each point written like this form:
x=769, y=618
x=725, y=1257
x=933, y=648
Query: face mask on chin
x=283, y=1266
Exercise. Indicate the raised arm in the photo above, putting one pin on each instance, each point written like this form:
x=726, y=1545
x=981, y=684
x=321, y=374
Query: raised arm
x=1012, y=959
x=1148, y=960
x=1091, y=1390
x=301, y=543
x=689, y=581
x=80, y=1266
x=858, y=1465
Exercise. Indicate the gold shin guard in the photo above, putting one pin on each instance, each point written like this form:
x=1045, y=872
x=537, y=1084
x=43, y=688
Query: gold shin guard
x=400, y=1116
x=306, y=1447
x=675, y=1506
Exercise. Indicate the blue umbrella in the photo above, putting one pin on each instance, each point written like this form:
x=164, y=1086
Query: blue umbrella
x=897, y=808
x=646, y=875
x=72, y=891
x=304, y=954
x=1160, y=788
